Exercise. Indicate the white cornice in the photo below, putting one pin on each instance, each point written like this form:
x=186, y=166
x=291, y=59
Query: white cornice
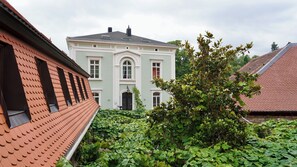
x=121, y=43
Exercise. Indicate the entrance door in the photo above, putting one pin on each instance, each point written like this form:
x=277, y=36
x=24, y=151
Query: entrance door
x=127, y=101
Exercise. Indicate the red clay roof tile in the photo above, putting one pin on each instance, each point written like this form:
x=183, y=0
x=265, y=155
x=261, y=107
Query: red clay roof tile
x=278, y=82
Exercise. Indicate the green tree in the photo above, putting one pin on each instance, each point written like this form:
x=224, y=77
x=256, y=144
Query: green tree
x=239, y=62
x=274, y=46
x=182, y=63
x=206, y=105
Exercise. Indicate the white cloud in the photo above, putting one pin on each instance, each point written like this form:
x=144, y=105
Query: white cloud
x=237, y=22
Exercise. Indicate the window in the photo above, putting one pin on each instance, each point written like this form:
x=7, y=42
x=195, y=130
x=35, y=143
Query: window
x=73, y=87
x=80, y=88
x=84, y=85
x=12, y=95
x=96, y=96
x=127, y=70
x=64, y=86
x=156, y=99
x=156, y=70
x=94, y=68
x=47, y=85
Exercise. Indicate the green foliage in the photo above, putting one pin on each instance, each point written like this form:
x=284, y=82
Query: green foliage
x=239, y=62
x=274, y=46
x=138, y=101
x=262, y=131
x=63, y=162
x=116, y=138
x=182, y=63
x=126, y=144
x=206, y=106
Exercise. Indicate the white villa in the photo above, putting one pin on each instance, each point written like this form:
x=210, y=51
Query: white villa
x=119, y=61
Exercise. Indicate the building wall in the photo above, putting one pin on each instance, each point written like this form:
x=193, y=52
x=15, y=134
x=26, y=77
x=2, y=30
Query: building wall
x=107, y=53
x=147, y=86
x=48, y=136
x=82, y=58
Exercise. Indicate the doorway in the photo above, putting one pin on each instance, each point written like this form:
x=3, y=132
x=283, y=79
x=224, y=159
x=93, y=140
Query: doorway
x=127, y=101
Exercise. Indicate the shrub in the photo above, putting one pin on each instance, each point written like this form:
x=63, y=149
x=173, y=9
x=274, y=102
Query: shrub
x=206, y=104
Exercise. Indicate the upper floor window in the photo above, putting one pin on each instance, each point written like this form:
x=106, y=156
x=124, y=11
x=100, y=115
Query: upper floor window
x=47, y=85
x=12, y=95
x=95, y=68
x=156, y=99
x=156, y=70
x=127, y=70
x=64, y=86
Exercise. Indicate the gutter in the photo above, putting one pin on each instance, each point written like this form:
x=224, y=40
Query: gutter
x=79, y=139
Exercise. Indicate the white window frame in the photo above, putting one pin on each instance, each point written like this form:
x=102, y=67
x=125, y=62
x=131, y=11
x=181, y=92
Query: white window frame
x=89, y=67
x=161, y=71
x=154, y=96
x=99, y=96
x=132, y=69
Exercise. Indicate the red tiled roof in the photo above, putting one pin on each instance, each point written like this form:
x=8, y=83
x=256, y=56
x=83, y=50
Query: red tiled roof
x=255, y=64
x=48, y=136
x=278, y=81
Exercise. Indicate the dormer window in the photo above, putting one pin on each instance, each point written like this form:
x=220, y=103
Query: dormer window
x=80, y=88
x=127, y=70
x=47, y=85
x=74, y=90
x=12, y=95
x=64, y=86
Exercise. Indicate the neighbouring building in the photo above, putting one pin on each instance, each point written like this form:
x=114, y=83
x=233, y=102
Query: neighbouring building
x=277, y=72
x=46, y=103
x=127, y=61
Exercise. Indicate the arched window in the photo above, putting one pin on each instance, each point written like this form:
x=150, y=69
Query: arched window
x=127, y=70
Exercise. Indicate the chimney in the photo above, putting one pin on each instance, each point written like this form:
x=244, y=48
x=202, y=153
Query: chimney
x=128, y=32
x=109, y=29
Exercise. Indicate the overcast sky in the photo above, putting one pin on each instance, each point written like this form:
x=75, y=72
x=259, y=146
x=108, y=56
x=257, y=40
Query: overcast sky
x=237, y=22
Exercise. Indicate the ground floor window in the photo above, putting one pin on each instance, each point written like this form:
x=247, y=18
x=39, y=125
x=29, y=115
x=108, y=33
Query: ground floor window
x=96, y=96
x=156, y=99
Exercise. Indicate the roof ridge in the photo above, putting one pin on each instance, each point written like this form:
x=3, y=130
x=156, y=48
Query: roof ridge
x=275, y=58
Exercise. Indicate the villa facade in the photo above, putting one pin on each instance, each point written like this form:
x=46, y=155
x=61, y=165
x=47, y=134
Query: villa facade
x=119, y=61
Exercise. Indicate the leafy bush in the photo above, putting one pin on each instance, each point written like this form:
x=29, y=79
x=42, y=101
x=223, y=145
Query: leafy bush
x=126, y=144
x=63, y=162
x=206, y=103
x=138, y=101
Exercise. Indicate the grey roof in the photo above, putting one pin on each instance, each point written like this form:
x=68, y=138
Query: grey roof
x=121, y=37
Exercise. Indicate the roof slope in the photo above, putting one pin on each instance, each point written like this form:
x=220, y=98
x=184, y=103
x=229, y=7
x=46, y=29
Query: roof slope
x=256, y=64
x=277, y=77
x=48, y=136
x=120, y=37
